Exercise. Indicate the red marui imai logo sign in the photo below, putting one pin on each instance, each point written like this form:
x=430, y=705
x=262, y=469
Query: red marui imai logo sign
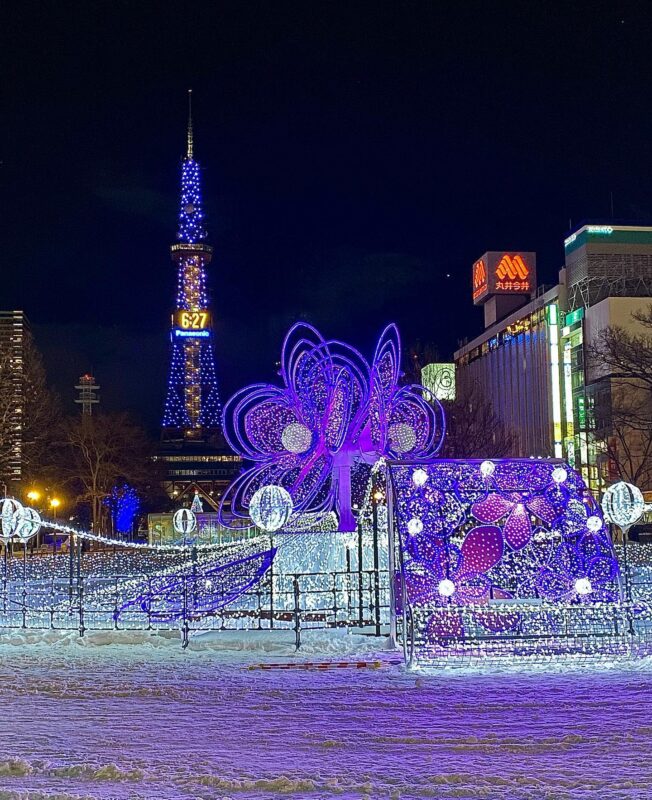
x=479, y=278
x=503, y=273
x=512, y=274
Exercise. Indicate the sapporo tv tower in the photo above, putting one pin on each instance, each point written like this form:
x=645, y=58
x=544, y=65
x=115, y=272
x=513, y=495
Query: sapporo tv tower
x=192, y=406
x=192, y=444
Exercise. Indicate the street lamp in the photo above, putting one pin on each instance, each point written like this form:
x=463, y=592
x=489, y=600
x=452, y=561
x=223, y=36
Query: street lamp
x=34, y=496
x=54, y=504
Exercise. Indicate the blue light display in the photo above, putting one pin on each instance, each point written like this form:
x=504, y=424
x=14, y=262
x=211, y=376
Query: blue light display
x=494, y=538
x=123, y=503
x=191, y=217
x=192, y=402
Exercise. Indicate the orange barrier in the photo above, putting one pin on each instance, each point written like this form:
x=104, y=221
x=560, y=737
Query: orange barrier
x=324, y=665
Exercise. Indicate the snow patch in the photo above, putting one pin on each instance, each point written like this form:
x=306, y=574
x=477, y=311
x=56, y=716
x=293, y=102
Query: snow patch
x=337, y=641
x=279, y=642
x=128, y=715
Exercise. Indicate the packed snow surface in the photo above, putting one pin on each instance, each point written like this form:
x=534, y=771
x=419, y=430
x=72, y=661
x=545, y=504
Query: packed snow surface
x=140, y=718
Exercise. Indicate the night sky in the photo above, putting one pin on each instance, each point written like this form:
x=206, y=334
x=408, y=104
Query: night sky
x=356, y=158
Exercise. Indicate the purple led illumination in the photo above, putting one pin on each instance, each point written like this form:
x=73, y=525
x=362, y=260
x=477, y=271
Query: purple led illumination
x=201, y=590
x=508, y=530
x=333, y=412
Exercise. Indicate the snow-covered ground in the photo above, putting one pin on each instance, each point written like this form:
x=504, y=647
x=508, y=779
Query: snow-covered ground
x=143, y=719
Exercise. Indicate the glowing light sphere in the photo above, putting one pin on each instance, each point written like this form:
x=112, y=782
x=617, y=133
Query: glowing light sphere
x=487, y=468
x=594, y=523
x=583, y=586
x=419, y=477
x=28, y=523
x=402, y=437
x=446, y=588
x=296, y=438
x=9, y=511
x=623, y=504
x=184, y=521
x=414, y=526
x=271, y=507
x=559, y=475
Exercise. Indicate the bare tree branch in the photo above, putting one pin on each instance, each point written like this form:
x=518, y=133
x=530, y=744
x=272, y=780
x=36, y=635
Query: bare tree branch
x=473, y=428
x=101, y=451
x=622, y=360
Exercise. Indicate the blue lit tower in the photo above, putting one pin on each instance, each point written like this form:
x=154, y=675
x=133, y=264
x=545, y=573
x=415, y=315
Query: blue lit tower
x=192, y=405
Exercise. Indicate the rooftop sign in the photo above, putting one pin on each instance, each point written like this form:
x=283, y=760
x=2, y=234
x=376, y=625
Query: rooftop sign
x=599, y=230
x=498, y=272
x=608, y=234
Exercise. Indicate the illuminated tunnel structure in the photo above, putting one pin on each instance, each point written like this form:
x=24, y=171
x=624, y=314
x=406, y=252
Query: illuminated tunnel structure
x=502, y=557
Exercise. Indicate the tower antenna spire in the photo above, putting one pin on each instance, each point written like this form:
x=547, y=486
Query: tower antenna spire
x=189, y=153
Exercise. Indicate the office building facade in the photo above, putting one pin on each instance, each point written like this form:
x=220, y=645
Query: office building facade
x=13, y=342
x=515, y=363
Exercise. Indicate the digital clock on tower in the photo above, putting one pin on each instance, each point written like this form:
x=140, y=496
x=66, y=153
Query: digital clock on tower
x=192, y=320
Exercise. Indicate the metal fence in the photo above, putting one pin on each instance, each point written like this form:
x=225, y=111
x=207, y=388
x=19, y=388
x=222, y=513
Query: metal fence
x=79, y=592
x=70, y=600
x=529, y=633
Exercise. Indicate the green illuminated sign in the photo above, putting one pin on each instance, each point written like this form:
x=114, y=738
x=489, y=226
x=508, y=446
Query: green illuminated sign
x=574, y=316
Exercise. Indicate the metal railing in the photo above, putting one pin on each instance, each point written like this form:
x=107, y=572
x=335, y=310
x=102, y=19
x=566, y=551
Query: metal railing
x=300, y=601
x=530, y=632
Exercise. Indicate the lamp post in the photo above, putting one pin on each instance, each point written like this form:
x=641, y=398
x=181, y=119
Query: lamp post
x=34, y=496
x=54, y=504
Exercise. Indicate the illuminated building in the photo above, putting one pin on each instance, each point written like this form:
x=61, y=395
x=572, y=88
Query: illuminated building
x=14, y=329
x=192, y=446
x=192, y=405
x=515, y=362
x=609, y=277
x=531, y=360
x=608, y=261
x=501, y=281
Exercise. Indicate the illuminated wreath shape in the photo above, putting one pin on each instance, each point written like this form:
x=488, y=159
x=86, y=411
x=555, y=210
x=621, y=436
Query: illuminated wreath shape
x=333, y=412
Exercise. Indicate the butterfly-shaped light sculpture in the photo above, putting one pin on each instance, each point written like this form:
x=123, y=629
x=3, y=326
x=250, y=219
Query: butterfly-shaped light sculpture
x=333, y=412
